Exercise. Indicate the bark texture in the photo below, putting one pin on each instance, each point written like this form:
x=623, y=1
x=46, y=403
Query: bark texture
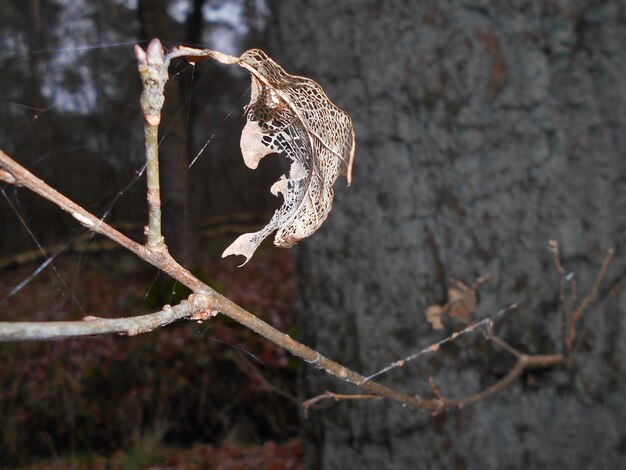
x=484, y=130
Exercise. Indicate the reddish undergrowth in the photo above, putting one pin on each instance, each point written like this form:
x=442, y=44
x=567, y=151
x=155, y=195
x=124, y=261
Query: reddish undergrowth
x=214, y=384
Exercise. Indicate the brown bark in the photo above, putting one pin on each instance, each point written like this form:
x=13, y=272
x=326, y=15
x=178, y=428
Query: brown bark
x=484, y=130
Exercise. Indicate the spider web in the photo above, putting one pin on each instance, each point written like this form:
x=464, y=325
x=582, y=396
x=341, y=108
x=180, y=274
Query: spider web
x=71, y=115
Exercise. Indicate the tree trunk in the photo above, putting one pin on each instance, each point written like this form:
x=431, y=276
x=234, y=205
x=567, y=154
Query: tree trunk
x=484, y=130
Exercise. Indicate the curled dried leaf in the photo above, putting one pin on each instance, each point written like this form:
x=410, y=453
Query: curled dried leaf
x=293, y=117
x=433, y=316
x=461, y=301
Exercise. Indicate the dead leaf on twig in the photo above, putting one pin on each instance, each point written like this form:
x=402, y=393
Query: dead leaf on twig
x=461, y=303
x=293, y=117
x=433, y=316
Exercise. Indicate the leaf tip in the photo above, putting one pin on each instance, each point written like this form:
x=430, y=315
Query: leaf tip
x=242, y=246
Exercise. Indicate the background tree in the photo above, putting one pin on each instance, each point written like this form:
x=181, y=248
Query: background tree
x=484, y=129
x=84, y=134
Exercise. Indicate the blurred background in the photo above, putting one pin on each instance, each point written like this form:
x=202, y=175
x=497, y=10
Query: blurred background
x=71, y=115
x=484, y=129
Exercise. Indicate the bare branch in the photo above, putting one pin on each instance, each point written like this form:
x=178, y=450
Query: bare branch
x=16, y=331
x=440, y=403
x=505, y=345
x=335, y=396
x=553, y=246
x=154, y=75
x=523, y=363
x=589, y=298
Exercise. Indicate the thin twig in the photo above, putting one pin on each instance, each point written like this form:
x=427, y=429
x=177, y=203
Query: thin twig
x=154, y=74
x=553, y=246
x=335, y=396
x=589, y=298
x=524, y=362
x=503, y=344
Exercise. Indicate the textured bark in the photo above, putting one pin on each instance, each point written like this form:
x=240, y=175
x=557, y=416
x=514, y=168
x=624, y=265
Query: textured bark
x=484, y=129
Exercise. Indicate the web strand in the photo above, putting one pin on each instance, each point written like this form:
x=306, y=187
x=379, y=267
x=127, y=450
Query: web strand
x=45, y=264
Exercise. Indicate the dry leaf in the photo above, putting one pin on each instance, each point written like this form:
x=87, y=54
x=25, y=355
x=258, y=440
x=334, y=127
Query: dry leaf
x=293, y=117
x=461, y=301
x=433, y=316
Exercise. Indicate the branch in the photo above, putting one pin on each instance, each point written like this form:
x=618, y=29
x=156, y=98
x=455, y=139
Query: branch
x=153, y=71
x=589, y=298
x=16, y=331
x=524, y=362
x=335, y=396
x=161, y=259
x=441, y=403
x=553, y=246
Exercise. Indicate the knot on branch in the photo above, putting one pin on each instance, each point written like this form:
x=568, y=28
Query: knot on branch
x=201, y=309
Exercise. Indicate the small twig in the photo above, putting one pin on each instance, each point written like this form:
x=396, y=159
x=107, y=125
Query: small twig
x=154, y=75
x=553, y=246
x=335, y=396
x=615, y=289
x=482, y=280
x=524, y=362
x=193, y=54
x=434, y=388
x=589, y=298
x=500, y=342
